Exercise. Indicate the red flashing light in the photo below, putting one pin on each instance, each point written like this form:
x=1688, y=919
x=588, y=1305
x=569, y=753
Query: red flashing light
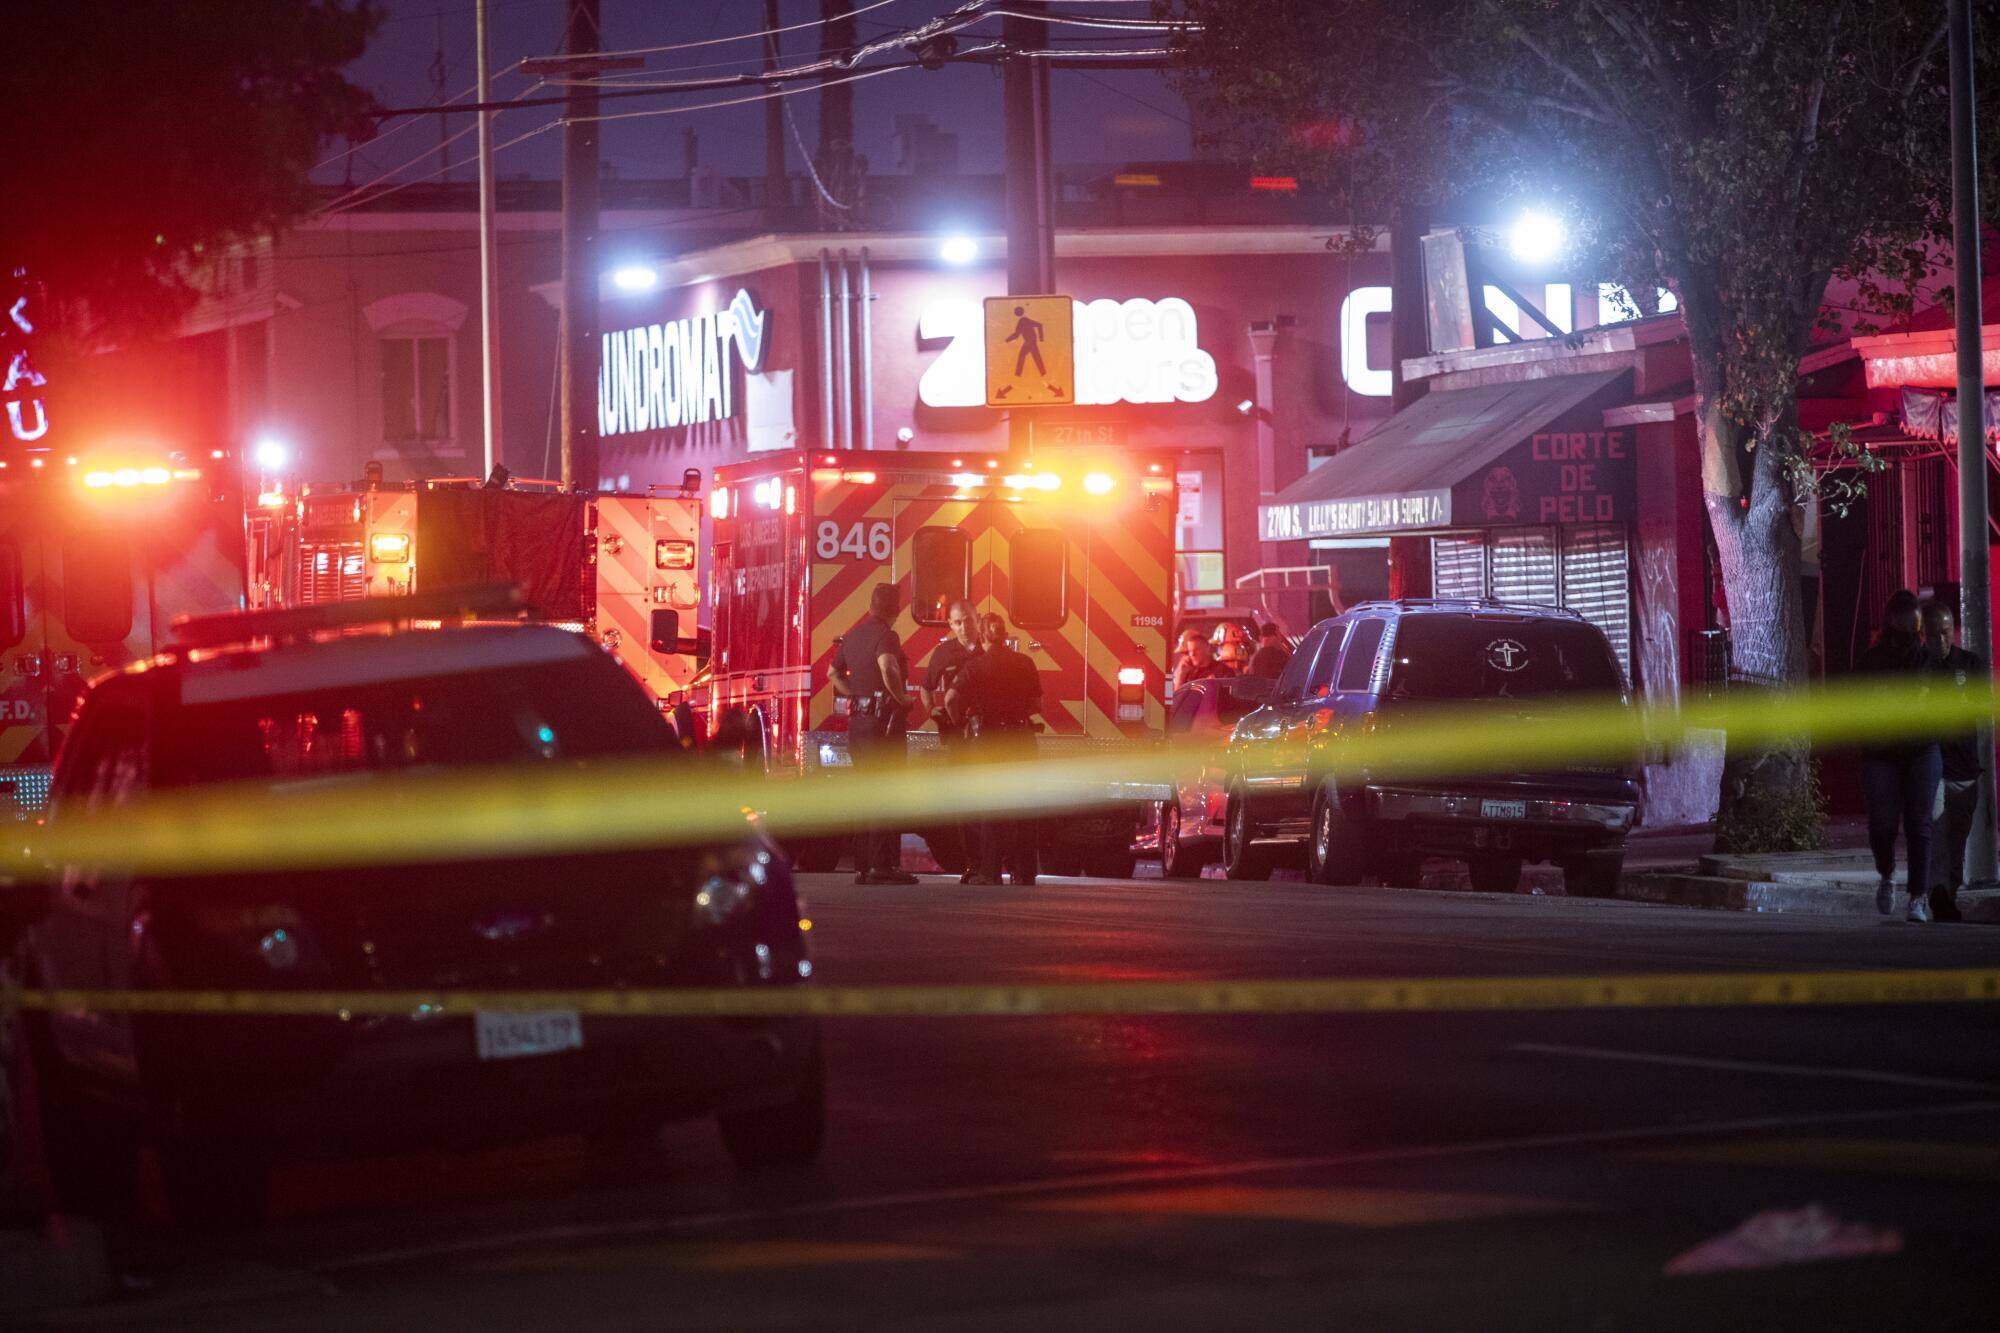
x=1279, y=183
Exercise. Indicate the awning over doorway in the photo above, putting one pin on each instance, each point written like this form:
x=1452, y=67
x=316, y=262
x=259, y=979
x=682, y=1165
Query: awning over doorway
x=1401, y=477
x=1930, y=415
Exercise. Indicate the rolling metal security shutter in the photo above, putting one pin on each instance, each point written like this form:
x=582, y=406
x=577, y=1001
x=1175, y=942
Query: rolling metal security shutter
x=1458, y=567
x=1524, y=567
x=1596, y=584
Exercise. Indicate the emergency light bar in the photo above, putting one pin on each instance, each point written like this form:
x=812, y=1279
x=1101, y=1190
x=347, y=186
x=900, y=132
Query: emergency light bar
x=138, y=476
x=673, y=555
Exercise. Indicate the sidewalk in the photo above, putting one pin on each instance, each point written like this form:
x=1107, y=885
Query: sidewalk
x=1674, y=866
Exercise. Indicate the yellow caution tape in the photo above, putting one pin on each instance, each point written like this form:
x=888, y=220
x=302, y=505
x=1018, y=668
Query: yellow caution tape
x=594, y=807
x=1383, y=995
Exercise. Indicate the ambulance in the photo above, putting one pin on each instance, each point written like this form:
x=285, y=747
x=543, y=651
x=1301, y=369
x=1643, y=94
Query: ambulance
x=621, y=569
x=1075, y=550
x=99, y=554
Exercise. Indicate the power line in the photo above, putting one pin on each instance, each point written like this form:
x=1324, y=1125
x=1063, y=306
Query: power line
x=741, y=36
x=356, y=147
x=342, y=206
x=348, y=202
x=757, y=97
x=1133, y=97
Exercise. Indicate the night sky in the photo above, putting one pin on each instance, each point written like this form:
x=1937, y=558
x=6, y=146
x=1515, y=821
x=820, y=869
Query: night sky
x=1101, y=117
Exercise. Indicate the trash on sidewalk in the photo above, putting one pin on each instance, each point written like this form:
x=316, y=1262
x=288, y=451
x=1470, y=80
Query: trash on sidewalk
x=1778, y=1238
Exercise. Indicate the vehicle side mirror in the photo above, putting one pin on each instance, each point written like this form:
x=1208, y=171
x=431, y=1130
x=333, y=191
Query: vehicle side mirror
x=666, y=637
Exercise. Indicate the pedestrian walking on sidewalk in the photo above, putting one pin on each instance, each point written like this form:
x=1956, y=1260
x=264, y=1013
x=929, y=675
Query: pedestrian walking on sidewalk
x=1899, y=779
x=1961, y=759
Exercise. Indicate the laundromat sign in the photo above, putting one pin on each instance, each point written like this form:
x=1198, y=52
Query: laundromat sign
x=678, y=373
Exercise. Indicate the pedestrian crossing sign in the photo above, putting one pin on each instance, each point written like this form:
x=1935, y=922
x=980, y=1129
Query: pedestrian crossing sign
x=1030, y=351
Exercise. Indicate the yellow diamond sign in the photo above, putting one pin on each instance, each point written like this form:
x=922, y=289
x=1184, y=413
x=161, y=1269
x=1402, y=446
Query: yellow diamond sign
x=1030, y=351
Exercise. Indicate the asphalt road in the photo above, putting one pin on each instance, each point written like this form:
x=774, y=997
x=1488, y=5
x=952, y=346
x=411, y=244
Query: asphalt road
x=1527, y=1170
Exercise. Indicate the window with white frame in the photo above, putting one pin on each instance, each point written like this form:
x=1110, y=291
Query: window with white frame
x=416, y=335
x=416, y=389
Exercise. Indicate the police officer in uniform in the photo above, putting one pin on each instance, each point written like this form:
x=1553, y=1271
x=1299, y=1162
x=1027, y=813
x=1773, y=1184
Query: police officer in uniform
x=947, y=659
x=998, y=693
x=871, y=671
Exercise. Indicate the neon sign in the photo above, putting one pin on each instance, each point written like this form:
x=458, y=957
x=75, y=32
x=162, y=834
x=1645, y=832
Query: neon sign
x=659, y=376
x=27, y=414
x=1136, y=351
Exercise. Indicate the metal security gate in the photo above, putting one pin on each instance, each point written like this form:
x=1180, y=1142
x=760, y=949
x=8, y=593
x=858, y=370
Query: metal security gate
x=1583, y=569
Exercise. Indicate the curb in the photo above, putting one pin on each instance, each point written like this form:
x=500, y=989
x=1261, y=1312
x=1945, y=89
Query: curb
x=1728, y=894
x=1808, y=897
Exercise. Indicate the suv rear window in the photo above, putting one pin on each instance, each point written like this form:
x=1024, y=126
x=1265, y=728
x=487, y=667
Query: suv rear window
x=558, y=711
x=1463, y=657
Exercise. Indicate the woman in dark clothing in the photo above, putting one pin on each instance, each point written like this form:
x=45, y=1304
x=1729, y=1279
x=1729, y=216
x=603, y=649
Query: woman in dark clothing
x=1899, y=780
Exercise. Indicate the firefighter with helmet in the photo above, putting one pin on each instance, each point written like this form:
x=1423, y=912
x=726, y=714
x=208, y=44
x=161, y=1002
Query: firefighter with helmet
x=997, y=695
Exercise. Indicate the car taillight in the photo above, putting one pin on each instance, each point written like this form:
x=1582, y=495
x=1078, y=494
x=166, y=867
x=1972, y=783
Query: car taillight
x=1131, y=694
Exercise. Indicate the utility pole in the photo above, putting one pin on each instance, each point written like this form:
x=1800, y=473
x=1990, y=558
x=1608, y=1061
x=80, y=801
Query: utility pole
x=777, y=192
x=835, y=155
x=581, y=40
x=1975, y=616
x=1031, y=236
x=489, y=253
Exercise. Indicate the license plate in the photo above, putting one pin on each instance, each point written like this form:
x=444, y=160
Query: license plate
x=1503, y=809
x=502, y=1036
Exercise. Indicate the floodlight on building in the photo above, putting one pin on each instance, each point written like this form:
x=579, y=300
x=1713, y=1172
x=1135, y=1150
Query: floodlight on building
x=270, y=454
x=635, y=278
x=958, y=251
x=1536, y=236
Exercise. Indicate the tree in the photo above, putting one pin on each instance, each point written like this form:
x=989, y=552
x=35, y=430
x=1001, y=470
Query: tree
x=142, y=134
x=1743, y=154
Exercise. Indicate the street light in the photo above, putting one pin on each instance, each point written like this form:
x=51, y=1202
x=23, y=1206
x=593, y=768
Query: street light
x=1536, y=236
x=958, y=251
x=270, y=454
x=635, y=278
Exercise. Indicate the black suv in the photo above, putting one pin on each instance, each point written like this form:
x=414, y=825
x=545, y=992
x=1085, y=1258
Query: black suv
x=222, y=1098
x=1362, y=669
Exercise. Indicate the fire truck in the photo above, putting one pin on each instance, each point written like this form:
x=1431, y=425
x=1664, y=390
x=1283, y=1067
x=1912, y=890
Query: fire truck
x=1075, y=550
x=98, y=556
x=621, y=569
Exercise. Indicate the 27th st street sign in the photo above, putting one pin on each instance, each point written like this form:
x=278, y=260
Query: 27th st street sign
x=1030, y=351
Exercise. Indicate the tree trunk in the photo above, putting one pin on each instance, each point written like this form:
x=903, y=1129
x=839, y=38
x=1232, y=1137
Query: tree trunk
x=1769, y=801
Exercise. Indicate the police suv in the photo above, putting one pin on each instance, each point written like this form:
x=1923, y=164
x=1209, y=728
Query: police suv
x=293, y=702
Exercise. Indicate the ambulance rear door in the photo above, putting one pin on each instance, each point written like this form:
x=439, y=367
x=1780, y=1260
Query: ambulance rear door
x=943, y=546
x=647, y=576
